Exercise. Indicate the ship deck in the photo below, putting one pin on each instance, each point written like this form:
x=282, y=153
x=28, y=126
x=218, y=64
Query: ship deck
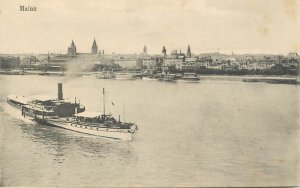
x=87, y=124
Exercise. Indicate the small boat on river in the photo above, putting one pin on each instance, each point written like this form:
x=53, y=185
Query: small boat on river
x=101, y=75
x=170, y=77
x=125, y=76
x=190, y=77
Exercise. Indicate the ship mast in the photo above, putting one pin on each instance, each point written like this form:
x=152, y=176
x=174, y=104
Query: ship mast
x=103, y=102
x=124, y=111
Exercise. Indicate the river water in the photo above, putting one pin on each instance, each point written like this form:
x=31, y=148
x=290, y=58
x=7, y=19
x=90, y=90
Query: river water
x=212, y=133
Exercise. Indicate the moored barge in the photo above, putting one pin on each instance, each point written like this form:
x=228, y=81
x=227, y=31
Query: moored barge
x=190, y=77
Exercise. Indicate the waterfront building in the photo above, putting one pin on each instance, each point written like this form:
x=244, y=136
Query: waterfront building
x=172, y=61
x=129, y=63
x=191, y=60
x=292, y=55
x=181, y=56
x=168, y=69
x=254, y=64
x=215, y=66
x=72, y=49
x=215, y=63
x=188, y=53
x=189, y=64
x=229, y=67
x=174, y=54
x=245, y=63
x=149, y=63
x=9, y=62
x=203, y=62
x=94, y=47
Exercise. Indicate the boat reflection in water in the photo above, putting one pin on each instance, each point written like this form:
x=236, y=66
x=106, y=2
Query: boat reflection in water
x=61, y=142
x=72, y=116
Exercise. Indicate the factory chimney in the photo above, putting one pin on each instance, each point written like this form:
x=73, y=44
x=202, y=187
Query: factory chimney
x=60, y=93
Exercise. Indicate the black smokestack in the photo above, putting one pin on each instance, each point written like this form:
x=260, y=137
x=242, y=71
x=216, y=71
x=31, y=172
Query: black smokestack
x=60, y=93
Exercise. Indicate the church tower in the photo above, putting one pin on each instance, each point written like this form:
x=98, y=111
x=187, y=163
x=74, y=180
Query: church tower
x=145, y=49
x=94, y=47
x=72, y=49
x=164, y=51
x=188, y=53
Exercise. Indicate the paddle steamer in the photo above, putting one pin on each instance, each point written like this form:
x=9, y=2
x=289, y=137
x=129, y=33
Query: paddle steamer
x=72, y=116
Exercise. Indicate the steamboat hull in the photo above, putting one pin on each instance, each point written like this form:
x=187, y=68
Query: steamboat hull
x=16, y=111
x=117, y=134
x=70, y=116
x=111, y=133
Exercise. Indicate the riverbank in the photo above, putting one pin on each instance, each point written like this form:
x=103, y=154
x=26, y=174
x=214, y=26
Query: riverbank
x=235, y=77
x=287, y=79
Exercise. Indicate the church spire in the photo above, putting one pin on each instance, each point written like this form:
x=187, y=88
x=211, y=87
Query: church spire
x=94, y=47
x=188, y=53
x=164, y=51
x=72, y=49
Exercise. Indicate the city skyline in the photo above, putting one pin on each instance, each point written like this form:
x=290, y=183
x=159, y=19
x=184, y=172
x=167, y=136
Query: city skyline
x=270, y=27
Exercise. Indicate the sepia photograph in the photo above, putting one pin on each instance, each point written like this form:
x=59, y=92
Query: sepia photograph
x=147, y=93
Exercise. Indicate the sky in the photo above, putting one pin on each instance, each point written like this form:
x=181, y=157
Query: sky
x=125, y=26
